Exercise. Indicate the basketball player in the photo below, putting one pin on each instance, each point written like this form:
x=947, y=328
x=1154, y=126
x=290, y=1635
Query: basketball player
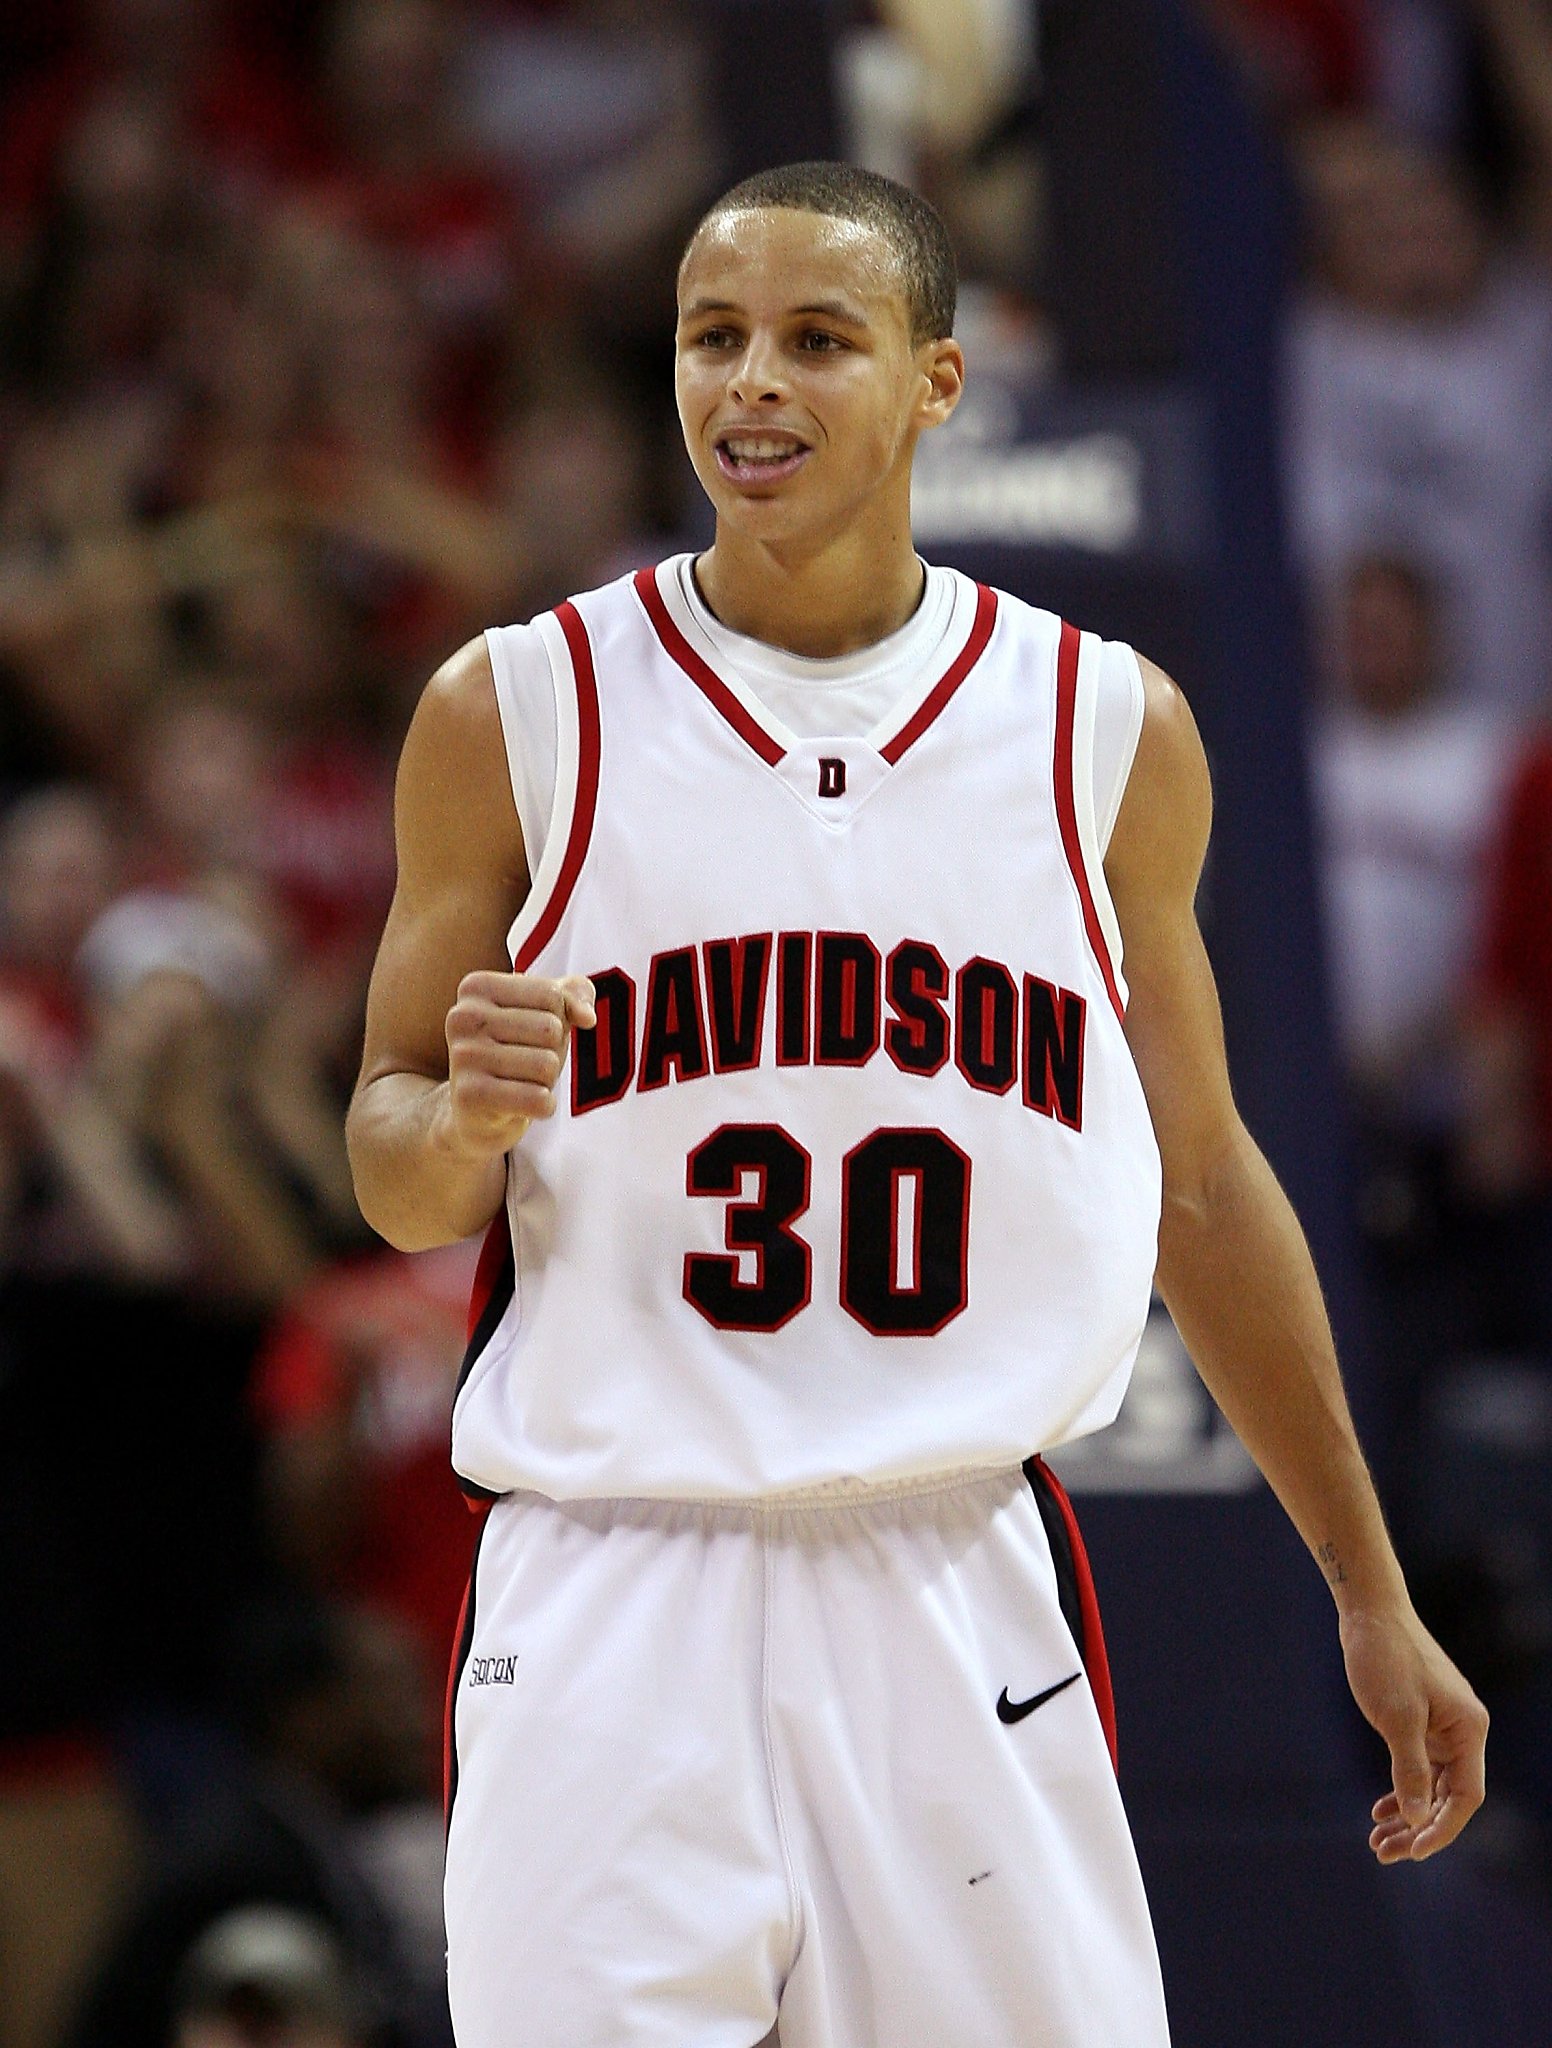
x=827, y=1153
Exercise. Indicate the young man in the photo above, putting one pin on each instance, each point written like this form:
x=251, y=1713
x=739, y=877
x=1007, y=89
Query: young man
x=822, y=1153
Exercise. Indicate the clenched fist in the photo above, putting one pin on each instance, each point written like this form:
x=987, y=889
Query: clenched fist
x=507, y=1037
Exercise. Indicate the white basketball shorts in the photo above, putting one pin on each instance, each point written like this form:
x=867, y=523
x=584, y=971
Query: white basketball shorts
x=838, y=1764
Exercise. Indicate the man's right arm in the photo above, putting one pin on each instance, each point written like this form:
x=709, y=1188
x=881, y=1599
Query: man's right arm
x=461, y=1053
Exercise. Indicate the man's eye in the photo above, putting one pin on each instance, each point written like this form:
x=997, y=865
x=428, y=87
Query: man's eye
x=716, y=337
x=816, y=342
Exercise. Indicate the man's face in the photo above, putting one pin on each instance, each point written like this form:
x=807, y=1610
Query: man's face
x=800, y=392
x=1388, y=646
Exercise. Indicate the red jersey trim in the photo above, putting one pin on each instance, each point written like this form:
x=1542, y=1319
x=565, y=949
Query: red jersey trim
x=938, y=696
x=702, y=674
x=749, y=729
x=586, y=803
x=489, y=1280
x=1066, y=808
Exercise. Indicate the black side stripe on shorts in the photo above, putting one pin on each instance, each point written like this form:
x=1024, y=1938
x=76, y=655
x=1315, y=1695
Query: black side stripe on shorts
x=1068, y=1596
x=461, y=1651
x=1075, y=1590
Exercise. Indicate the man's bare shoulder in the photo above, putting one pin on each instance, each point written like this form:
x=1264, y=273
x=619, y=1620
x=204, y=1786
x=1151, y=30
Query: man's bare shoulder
x=459, y=702
x=454, y=788
x=1162, y=828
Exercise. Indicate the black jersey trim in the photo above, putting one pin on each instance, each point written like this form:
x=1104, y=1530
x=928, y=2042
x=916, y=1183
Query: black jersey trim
x=495, y=1282
x=463, y=1643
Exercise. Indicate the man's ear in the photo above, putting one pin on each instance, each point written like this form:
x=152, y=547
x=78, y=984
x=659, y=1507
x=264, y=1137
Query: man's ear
x=943, y=366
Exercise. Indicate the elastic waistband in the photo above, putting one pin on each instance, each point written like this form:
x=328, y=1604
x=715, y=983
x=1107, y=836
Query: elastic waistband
x=827, y=1497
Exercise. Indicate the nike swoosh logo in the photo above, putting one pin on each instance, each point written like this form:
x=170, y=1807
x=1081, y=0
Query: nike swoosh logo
x=1009, y=1712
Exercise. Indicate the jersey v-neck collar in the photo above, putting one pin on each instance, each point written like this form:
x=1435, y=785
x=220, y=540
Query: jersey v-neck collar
x=971, y=618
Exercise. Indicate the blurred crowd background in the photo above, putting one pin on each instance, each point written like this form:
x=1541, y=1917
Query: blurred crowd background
x=331, y=331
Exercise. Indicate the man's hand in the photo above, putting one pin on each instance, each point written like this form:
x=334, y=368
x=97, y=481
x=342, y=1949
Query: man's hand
x=507, y=1039
x=1436, y=1728
x=459, y=1053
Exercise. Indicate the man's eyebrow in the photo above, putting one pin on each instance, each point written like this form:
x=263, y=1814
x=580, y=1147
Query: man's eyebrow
x=823, y=309
x=836, y=309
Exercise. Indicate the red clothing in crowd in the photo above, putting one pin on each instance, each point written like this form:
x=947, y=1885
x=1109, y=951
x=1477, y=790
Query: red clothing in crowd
x=1519, y=925
x=366, y=1361
x=1317, y=49
x=48, y=1002
x=461, y=238
x=325, y=845
x=244, y=118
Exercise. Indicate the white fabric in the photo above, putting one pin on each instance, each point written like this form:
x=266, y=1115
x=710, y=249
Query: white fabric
x=1118, y=704
x=844, y=698
x=1406, y=808
x=526, y=698
x=712, y=1763
x=606, y=1375
x=1093, y=831
x=1433, y=439
x=168, y=931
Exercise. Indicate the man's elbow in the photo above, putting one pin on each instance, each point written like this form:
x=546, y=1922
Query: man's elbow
x=378, y=1188
x=1208, y=1184
x=409, y=1205
x=402, y=1223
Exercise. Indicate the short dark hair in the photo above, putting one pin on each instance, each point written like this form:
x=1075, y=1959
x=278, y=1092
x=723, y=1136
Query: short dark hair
x=915, y=233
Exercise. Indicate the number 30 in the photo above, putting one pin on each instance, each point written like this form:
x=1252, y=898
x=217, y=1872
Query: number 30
x=905, y=1219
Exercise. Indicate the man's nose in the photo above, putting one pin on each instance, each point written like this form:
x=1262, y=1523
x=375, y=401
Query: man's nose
x=758, y=375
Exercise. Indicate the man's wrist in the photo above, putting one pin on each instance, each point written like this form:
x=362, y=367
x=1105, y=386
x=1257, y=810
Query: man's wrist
x=1363, y=1577
x=452, y=1144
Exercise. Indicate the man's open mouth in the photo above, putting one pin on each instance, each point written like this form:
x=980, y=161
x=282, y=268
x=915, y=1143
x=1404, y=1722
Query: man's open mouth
x=760, y=458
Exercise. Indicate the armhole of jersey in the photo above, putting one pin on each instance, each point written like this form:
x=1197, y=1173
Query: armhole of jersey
x=1120, y=722
x=571, y=793
x=1090, y=840
x=520, y=714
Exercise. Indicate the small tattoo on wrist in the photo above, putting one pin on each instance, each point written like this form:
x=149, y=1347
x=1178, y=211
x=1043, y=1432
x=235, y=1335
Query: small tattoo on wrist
x=1331, y=1565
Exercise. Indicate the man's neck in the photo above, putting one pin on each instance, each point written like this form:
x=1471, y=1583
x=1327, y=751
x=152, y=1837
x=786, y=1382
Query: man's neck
x=820, y=602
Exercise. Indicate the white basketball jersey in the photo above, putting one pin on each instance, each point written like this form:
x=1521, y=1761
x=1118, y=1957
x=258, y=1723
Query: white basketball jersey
x=855, y=1180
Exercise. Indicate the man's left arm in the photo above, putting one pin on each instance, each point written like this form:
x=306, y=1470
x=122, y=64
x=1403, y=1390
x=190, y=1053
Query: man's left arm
x=1236, y=1274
